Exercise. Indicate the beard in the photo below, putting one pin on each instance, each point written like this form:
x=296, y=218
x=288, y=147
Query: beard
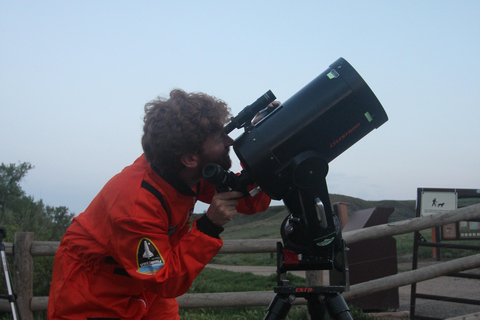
x=226, y=162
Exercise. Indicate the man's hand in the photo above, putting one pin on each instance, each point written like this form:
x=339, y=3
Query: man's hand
x=223, y=207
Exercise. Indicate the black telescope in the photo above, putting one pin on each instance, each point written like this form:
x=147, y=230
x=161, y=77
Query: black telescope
x=287, y=154
x=326, y=117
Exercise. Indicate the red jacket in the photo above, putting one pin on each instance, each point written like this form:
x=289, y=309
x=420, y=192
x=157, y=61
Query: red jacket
x=135, y=244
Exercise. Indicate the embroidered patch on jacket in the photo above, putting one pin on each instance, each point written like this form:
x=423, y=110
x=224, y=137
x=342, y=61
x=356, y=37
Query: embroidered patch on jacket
x=149, y=259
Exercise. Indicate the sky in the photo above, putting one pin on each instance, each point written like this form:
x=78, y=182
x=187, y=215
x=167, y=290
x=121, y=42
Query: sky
x=75, y=76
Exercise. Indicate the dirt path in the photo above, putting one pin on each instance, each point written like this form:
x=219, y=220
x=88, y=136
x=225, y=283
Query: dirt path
x=446, y=286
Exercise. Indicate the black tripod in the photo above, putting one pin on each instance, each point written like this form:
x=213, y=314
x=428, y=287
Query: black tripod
x=312, y=240
x=320, y=299
x=10, y=296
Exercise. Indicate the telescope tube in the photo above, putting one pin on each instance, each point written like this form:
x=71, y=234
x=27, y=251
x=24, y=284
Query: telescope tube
x=327, y=116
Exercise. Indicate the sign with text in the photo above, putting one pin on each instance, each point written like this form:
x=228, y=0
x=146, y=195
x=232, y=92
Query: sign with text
x=438, y=200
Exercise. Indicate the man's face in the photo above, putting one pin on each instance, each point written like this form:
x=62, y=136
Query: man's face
x=216, y=150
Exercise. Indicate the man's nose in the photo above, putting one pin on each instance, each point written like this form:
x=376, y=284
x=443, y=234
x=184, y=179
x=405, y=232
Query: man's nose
x=228, y=141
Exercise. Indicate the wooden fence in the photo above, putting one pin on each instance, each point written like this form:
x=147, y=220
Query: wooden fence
x=25, y=249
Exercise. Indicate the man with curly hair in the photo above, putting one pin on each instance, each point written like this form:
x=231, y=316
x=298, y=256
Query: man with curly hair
x=135, y=248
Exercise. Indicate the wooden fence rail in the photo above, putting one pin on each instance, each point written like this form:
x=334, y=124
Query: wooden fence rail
x=262, y=298
x=25, y=249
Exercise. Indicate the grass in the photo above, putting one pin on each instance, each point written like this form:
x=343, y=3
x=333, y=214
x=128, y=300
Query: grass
x=246, y=259
x=213, y=280
x=267, y=224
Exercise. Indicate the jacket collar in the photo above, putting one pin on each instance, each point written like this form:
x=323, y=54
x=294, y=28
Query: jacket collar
x=174, y=180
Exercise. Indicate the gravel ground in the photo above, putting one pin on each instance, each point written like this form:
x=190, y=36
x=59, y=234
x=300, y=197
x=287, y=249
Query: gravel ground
x=445, y=286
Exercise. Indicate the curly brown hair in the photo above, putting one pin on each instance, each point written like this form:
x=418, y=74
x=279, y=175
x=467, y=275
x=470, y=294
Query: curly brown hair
x=180, y=125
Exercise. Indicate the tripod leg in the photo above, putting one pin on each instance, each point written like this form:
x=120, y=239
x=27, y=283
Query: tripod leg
x=316, y=308
x=337, y=307
x=279, y=307
x=11, y=295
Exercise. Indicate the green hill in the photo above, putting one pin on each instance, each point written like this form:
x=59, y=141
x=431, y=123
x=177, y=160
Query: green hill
x=267, y=224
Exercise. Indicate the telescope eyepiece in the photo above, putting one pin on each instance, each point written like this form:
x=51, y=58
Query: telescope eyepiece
x=248, y=113
x=214, y=173
x=224, y=180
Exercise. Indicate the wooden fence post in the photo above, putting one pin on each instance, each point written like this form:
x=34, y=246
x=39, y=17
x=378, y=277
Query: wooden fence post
x=23, y=273
x=314, y=278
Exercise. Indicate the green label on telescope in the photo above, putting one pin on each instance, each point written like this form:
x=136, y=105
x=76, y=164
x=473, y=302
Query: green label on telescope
x=332, y=74
x=368, y=116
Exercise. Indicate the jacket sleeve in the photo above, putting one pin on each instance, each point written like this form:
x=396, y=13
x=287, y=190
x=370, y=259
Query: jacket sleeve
x=144, y=249
x=248, y=205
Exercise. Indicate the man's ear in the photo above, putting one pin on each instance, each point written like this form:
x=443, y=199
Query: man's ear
x=189, y=160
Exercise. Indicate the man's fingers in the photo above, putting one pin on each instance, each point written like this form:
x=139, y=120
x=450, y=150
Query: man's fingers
x=229, y=195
